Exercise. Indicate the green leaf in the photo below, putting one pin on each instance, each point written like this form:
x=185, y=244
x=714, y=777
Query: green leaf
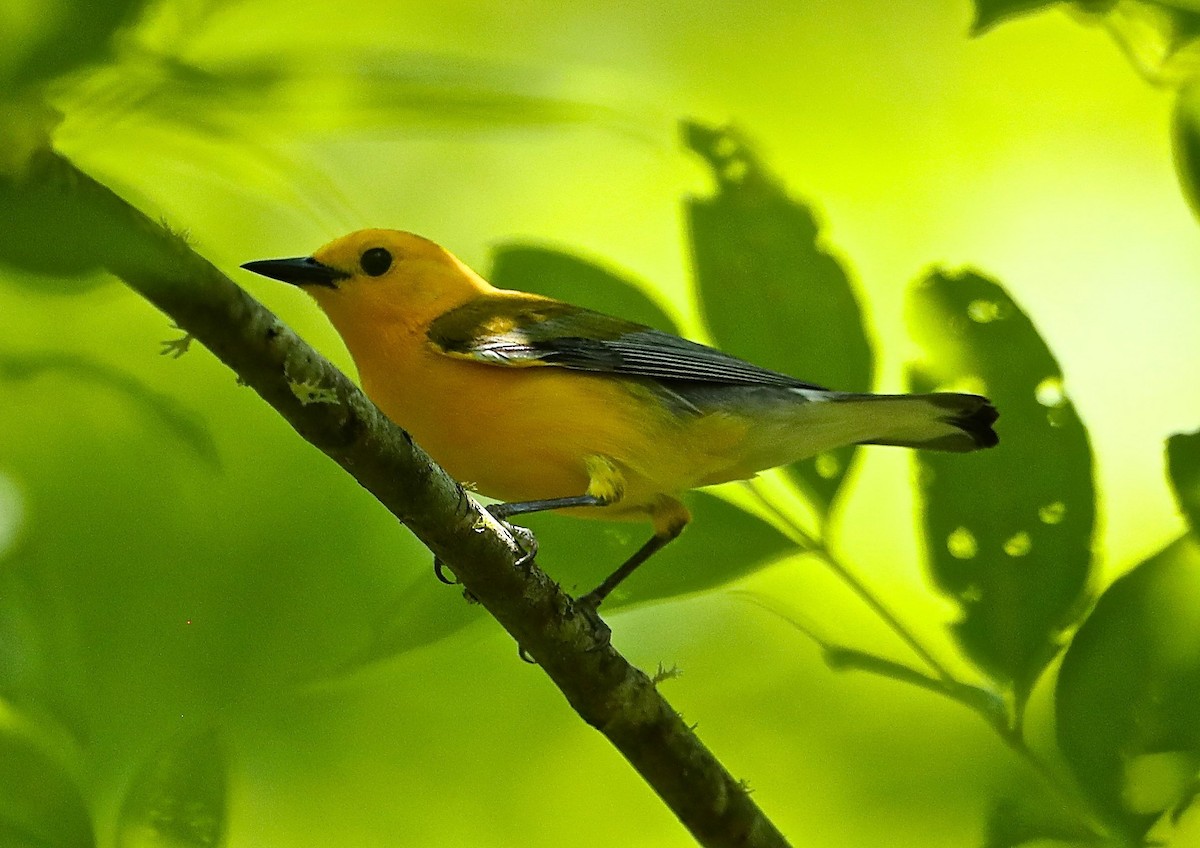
x=1183, y=468
x=1185, y=134
x=770, y=293
x=1159, y=37
x=178, y=799
x=54, y=229
x=553, y=273
x=64, y=37
x=1128, y=716
x=721, y=544
x=988, y=13
x=1028, y=818
x=1008, y=531
x=40, y=803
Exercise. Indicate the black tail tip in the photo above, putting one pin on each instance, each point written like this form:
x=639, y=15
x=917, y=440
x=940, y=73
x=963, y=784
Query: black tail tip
x=975, y=417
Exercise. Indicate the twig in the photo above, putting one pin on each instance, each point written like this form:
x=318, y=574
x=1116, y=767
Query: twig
x=607, y=692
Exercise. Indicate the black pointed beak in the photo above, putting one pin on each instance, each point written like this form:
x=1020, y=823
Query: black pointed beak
x=301, y=271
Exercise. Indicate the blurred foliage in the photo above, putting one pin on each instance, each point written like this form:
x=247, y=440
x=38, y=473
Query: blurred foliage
x=41, y=803
x=184, y=423
x=1183, y=467
x=176, y=636
x=1013, y=549
x=178, y=798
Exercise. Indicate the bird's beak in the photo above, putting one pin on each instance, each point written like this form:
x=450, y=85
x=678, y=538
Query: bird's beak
x=301, y=271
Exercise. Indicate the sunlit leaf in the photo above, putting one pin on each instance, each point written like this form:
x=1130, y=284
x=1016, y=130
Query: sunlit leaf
x=988, y=13
x=770, y=292
x=349, y=86
x=184, y=423
x=554, y=273
x=1008, y=531
x=1127, y=712
x=1183, y=468
x=178, y=799
x=721, y=544
x=40, y=804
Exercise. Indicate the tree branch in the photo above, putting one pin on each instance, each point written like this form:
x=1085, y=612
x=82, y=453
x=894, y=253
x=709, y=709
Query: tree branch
x=97, y=227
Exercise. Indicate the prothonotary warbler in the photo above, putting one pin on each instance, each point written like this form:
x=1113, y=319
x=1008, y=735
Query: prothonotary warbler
x=544, y=405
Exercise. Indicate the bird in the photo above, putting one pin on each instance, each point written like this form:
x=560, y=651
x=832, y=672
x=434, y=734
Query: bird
x=544, y=405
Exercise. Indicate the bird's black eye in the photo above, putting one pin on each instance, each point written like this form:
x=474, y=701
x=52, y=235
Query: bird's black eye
x=375, y=261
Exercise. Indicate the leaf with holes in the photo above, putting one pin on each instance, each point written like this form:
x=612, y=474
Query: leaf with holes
x=770, y=293
x=178, y=798
x=1128, y=717
x=1008, y=531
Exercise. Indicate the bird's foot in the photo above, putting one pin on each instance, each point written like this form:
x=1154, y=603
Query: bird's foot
x=527, y=543
x=588, y=607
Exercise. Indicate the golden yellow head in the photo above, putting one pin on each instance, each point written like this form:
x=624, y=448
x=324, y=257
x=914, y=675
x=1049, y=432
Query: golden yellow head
x=379, y=277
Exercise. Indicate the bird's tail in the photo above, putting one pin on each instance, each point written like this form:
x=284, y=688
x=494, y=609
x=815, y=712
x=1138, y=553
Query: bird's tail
x=944, y=421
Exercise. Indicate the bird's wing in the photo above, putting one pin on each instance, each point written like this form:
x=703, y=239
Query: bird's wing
x=526, y=330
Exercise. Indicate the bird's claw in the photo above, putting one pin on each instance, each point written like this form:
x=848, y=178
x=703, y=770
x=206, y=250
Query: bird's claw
x=527, y=543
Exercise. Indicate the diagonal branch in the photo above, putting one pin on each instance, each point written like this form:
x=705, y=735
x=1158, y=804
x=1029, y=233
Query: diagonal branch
x=94, y=224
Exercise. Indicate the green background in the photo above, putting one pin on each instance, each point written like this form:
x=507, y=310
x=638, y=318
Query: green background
x=210, y=635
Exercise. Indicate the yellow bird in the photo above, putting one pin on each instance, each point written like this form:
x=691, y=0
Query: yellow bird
x=545, y=405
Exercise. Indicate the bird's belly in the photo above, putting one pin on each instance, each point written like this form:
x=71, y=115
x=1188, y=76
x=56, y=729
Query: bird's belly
x=525, y=433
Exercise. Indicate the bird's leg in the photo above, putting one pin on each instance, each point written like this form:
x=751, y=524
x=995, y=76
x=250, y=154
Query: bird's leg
x=670, y=516
x=653, y=545
x=523, y=536
x=605, y=486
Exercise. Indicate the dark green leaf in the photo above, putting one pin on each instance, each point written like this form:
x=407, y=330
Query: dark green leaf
x=40, y=805
x=770, y=293
x=1185, y=131
x=988, y=13
x=79, y=34
x=179, y=797
x=1128, y=714
x=53, y=229
x=553, y=273
x=1008, y=531
x=1158, y=36
x=721, y=544
x=1026, y=818
x=1183, y=468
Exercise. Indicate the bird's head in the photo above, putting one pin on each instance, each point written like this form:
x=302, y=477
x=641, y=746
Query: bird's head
x=379, y=276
